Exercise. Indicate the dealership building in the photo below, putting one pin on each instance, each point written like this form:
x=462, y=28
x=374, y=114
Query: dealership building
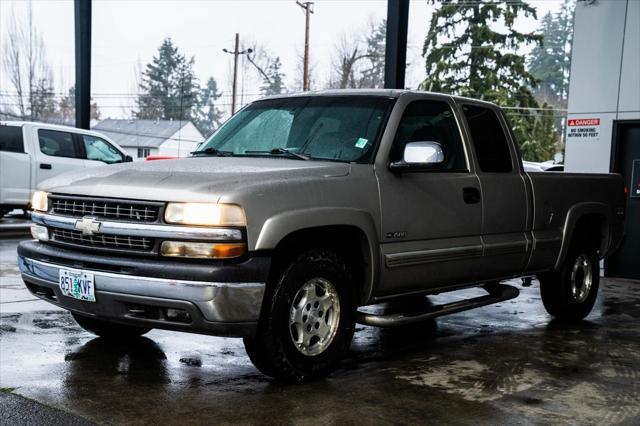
x=603, y=126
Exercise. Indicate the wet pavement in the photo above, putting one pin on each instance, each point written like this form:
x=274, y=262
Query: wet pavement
x=14, y=225
x=503, y=364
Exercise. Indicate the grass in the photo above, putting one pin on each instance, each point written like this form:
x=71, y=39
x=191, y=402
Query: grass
x=7, y=390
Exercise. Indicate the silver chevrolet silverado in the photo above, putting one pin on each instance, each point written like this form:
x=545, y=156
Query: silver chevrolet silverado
x=301, y=210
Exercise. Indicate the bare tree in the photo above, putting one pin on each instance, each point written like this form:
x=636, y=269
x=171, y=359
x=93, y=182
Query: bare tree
x=345, y=63
x=298, y=82
x=269, y=70
x=358, y=59
x=28, y=71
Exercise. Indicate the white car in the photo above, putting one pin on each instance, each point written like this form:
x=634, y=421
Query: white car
x=33, y=152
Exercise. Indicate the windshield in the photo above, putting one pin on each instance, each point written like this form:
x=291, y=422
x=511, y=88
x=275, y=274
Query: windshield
x=335, y=128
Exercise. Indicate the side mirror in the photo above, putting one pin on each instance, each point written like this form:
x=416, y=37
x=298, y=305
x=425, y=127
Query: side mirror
x=128, y=159
x=420, y=156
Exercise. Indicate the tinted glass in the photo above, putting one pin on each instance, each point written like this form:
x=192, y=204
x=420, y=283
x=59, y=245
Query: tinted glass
x=57, y=144
x=489, y=140
x=11, y=139
x=429, y=121
x=100, y=150
x=337, y=128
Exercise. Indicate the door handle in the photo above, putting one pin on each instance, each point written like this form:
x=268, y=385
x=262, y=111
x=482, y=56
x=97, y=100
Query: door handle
x=471, y=195
x=46, y=166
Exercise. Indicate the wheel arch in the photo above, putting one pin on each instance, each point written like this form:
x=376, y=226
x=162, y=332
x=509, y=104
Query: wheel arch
x=351, y=231
x=592, y=218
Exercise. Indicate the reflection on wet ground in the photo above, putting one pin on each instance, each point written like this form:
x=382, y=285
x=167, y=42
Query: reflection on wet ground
x=506, y=363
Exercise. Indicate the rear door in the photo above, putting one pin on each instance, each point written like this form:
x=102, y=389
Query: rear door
x=430, y=226
x=15, y=167
x=505, y=201
x=58, y=152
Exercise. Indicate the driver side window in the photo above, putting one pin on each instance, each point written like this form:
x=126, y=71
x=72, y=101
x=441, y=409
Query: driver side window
x=430, y=121
x=100, y=150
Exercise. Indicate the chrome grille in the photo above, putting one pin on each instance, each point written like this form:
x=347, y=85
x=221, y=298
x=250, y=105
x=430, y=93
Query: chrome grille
x=130, y=211
x=105, y=241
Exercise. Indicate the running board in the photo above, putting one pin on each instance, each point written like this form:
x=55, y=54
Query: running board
x=497, y=293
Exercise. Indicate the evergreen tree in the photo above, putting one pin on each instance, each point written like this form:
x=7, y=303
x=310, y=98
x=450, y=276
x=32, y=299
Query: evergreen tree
x=273, y=78
x=373, y=72
x=539, y=140
x=209, y=116
x=550, y=62
x=169, y=86
x=471, y=49
x=67, y=106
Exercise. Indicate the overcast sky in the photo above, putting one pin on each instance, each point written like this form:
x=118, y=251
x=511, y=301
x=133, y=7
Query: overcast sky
x=127, y=33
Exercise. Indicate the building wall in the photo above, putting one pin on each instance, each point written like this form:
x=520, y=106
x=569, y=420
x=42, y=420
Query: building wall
x=133, y=152
x=182, y=143
x=605, y=80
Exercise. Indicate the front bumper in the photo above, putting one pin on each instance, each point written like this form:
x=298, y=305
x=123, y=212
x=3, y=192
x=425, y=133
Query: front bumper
x=210, y=307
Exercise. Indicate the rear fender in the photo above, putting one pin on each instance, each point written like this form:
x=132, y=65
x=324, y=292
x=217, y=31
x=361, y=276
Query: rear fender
x=577, y=212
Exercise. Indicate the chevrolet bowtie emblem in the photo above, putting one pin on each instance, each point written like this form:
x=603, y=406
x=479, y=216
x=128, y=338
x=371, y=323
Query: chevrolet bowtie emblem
x=88, y=226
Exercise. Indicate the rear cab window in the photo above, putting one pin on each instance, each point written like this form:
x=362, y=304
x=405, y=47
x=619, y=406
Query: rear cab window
x=488, y=139
x=57, y=144
x=11, y=139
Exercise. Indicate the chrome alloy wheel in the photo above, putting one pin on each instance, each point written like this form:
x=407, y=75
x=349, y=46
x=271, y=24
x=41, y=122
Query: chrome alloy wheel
x=314, y=316
x=581, y=278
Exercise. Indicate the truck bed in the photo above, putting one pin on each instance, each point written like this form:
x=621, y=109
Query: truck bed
x=559, y=198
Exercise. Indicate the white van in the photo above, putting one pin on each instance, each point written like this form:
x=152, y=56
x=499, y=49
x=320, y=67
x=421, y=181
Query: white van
x=33, y=152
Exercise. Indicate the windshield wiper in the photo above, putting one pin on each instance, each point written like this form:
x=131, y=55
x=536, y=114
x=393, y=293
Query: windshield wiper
x=212, y=152
x=280, y=150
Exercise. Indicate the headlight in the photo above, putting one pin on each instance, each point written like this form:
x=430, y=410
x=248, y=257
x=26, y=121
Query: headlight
x=205, y=214
x=39, y=201
x=202, y=250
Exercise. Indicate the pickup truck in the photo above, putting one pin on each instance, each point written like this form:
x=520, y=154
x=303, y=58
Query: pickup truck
x=301, y=210
x=33, y=152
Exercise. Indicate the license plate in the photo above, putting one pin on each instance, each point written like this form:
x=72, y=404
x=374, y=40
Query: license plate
x=77, y=284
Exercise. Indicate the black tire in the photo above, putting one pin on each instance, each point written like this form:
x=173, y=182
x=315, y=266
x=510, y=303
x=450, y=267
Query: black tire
x=110, y=330
x=560, y=297
x=273, y=350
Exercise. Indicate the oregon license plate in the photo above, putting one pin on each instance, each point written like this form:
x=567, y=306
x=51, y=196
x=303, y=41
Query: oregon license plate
x=77, y=284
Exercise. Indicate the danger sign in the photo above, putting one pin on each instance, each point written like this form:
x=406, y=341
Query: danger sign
x=583, y=128
x=584, y=122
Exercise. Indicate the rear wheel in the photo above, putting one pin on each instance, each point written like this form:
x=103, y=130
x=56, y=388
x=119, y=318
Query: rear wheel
x=307, y=321
x=571, y=292
x=109, y=330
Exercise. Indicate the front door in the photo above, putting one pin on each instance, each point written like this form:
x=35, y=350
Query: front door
x=624, y=262
x=431, y=220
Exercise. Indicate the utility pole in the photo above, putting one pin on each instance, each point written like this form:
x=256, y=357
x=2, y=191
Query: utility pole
x=236, y=52
x=308, y=10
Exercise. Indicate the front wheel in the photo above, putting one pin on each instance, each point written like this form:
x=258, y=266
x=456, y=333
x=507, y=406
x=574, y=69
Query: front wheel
x=307, y=321
x=571, y=292
x=109, y=330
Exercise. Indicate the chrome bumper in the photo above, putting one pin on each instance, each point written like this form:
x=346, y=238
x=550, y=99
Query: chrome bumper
x=216, y=308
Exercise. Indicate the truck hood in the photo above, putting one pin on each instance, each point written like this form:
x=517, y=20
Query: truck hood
x=203, y=179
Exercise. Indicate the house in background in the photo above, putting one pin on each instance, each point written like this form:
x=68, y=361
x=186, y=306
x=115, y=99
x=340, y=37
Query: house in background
x=141, y=138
